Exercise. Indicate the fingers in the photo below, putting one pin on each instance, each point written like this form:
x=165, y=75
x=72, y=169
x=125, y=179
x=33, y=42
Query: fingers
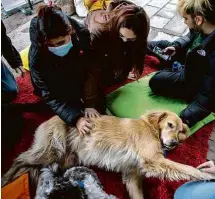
x=131, y=76
x=169, y=51
x=209, y=170
x=17, y=70
x=173, y=53
x=22, y=71
x=97, y=114
x=82, y=131
x=89, y=125
x=206, y=164
x=165, y=50
x=85, y=130
x=85, y=127
x=86, y=114
x=91, y=113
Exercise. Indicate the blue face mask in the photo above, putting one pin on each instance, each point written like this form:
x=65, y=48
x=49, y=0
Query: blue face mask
x=61, y=51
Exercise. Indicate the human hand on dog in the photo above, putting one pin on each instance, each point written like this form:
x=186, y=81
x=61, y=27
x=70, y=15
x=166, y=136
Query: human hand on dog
x=84, y=125
x=207, y=167
x=91, y=113
x=169, y=51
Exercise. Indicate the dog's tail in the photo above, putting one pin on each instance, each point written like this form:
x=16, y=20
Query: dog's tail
x=23, y=164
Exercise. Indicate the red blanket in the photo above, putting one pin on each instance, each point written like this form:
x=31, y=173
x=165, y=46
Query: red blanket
x=192, y=152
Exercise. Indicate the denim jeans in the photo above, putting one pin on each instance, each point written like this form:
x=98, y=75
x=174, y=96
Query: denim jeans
x=9, y=88
x=196, y=190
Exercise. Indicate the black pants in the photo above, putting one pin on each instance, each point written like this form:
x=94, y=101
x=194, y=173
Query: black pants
x=169, y=83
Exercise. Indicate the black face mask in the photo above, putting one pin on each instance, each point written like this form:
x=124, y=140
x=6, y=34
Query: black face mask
x=128, y=45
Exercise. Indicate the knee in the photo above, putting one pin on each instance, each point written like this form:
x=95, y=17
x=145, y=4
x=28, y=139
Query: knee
x=12, y=90
x=9, y=94
x=150, y=45
x=182, y=192
x=154, y=82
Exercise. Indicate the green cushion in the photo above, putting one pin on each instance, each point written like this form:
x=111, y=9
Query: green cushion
x=133, y=99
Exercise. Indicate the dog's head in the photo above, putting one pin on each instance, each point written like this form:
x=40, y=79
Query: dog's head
x=172, y=131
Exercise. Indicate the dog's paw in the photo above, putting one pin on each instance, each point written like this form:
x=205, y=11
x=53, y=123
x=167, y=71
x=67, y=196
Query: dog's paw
x=206, y=176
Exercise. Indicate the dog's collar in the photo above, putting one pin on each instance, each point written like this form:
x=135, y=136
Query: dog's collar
x=165, y=152
x=80, y=183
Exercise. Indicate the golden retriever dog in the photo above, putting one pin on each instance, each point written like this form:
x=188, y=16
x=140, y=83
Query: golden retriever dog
x=130, y=146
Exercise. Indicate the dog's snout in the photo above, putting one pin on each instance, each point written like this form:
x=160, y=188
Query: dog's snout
x=174, y=142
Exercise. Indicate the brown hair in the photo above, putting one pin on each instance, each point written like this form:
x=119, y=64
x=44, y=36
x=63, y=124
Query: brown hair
x=130, y=16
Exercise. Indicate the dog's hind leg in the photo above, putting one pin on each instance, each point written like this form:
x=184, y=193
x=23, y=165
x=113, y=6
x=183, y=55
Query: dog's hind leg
x=21, y=165
x=49, y=146
x=133, y=183
x=164, y=168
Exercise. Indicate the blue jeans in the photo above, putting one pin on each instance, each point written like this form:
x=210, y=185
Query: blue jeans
x=9, y=87
x=196, y=190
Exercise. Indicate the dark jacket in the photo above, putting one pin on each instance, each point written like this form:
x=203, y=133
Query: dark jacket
x=199, y=76
x=8, y=51
x=113, y=58
x=60, y=80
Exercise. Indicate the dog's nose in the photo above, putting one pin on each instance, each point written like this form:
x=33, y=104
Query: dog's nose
x=174, y=142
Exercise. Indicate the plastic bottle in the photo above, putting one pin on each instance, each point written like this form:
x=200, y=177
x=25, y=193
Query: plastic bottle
x=176, y=66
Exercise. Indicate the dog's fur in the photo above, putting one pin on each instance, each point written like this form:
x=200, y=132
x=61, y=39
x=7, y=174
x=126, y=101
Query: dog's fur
x=130, y=146
x=76, y=182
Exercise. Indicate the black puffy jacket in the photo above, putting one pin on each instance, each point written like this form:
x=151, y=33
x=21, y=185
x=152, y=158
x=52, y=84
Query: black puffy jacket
x=200, y=76
x=8, y=50
x=60, y=80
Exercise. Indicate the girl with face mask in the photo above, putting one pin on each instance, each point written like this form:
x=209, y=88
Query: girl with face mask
x=119, y=31
x=58, y=63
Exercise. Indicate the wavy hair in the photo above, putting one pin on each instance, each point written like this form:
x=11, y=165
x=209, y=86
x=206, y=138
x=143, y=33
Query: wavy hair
x=128, y=15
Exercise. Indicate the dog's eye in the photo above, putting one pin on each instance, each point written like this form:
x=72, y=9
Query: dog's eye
x=170, y=125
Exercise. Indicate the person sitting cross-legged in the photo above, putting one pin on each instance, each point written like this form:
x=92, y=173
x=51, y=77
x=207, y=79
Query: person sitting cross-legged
x=195, y=82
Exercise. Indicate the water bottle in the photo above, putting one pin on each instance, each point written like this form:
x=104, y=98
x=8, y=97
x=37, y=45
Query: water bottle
x=176, y=66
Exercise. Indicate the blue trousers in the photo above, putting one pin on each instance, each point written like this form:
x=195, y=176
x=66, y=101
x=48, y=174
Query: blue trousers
x=196, y=190
x=9, y=88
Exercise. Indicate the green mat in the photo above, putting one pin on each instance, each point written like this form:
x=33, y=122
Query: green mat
x=133, y=99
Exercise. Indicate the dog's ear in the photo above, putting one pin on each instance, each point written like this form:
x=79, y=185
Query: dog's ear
x=184, y=134
x=154, y=117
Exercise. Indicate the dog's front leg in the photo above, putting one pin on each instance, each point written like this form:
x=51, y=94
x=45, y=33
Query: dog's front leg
x=164, y=168
x=133, y=183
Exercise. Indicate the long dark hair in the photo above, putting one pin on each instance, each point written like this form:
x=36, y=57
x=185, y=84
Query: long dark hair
x=135, y=19
x=128, y=15
x=52, y=22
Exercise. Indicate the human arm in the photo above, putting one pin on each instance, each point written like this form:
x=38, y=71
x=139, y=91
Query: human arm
x=203, y=103
x=207, y=167
x=67, y=111
x=10, y=53
x=178, y=44
x=92, y=88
